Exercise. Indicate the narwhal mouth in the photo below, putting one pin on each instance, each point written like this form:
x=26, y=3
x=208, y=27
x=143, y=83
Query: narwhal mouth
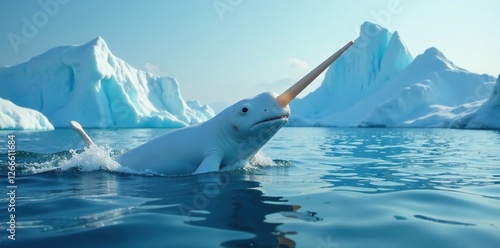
x=284, y=117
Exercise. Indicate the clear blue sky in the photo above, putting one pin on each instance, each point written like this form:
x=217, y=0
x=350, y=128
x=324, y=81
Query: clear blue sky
x=225, y=50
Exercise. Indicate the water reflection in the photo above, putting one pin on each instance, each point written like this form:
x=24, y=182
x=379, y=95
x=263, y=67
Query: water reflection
x=380, y=160
x=227, y=201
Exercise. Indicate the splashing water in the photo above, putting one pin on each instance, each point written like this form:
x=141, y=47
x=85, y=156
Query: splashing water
x=91, y=159
x=259, y=160
x=97, y=158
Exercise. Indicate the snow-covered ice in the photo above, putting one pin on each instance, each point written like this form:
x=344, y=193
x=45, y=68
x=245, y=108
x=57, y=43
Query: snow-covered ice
x=487, y=115
x=362, y=70
x=378, y=83
x=89, y=84
x=15, y=117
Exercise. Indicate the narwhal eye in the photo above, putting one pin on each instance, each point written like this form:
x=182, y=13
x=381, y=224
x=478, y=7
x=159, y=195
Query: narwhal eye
x=244, y=109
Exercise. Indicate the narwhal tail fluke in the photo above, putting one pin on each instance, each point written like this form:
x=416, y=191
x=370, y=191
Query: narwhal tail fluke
x=79, y=129
x=286, y=97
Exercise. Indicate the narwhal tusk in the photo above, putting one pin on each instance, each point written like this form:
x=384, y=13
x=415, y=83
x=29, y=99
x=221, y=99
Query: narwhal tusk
x=286, y=97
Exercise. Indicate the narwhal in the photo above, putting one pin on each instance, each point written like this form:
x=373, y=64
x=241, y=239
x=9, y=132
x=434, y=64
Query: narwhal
x=235, y=134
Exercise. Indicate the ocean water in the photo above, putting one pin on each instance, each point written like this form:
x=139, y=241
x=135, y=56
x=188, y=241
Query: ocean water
x=311, y=187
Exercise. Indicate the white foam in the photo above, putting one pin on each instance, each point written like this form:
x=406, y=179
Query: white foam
x=92, y=159
x=259, y=160
x=35, y=168
x=98, y=158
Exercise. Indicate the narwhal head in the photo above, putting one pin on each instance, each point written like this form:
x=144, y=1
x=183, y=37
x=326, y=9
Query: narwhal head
x=255, y=120
x=259, y=116
x=250, y=123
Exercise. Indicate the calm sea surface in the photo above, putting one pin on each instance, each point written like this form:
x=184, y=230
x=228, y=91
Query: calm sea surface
x=314, y=187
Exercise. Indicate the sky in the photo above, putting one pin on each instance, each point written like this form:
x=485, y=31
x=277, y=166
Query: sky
x=226, y=50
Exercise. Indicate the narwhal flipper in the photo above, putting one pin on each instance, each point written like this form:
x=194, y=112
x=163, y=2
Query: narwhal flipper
x=210, y=163
x=79, y=129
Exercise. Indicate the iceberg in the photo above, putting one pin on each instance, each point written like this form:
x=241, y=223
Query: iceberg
x=433, y=91
x=19, y=118
x=380, y=84
x=376, y=57
x=487, y=115
x=89, y=84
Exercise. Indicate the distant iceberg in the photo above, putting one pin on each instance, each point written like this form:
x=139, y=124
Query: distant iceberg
x=89, y=84
x=19, y=118
x=437, y=93
x=377, y=83
x=487, y=115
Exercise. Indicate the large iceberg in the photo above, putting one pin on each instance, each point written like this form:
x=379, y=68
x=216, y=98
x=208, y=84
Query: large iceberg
x=433, y=85
x=487, y=115
x=15, y=117
x=378, y=83
x=89, y=84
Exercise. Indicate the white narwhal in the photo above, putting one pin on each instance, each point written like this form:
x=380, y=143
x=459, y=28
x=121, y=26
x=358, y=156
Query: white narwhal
x=235, y=134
